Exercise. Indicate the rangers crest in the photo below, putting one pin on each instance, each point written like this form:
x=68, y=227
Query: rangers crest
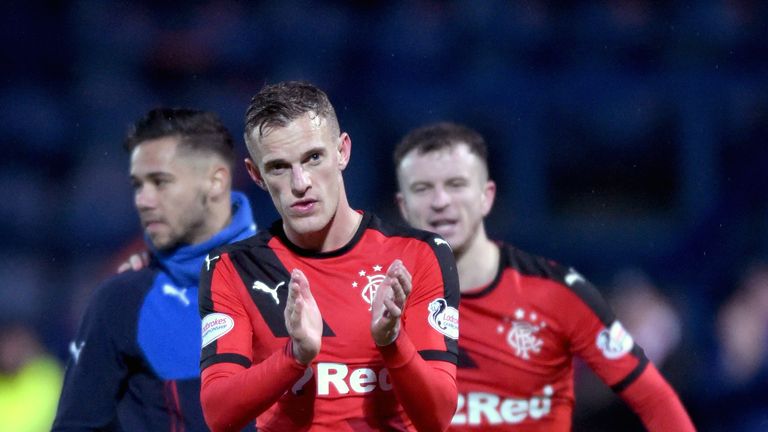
x=522, y=335
x=368, y=292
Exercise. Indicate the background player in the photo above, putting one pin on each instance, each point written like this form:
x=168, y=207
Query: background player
x=135, y=359
x=331, y=320
x=524, y=317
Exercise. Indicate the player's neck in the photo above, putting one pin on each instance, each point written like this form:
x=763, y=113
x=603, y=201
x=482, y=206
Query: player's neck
x=343, y=228
x=219, y=216
x=337, y=234
x=477, y=264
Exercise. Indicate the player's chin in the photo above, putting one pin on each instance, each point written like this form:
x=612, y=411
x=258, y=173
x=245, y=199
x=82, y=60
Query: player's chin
x=309, y=224
x=162, y=241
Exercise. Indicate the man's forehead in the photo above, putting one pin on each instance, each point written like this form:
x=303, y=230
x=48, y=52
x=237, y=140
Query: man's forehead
x=454, y=151
x=166, y=155
x=310, y=118
x=157, y=145
x=293, y=140
x=434, y=162
x=160, y=151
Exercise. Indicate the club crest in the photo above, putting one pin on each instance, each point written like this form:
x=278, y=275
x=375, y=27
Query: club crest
x=370, y=284
x=522, y=334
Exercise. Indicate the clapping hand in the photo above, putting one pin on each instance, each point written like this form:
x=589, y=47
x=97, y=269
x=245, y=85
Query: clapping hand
x=389, y=302
x=302, y=319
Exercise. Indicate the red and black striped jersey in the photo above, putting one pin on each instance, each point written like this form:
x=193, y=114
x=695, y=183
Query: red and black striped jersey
x=519, y=336
x=242, y=299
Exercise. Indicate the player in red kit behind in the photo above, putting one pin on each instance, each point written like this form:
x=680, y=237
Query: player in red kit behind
x=523, y=318
x=331, y=320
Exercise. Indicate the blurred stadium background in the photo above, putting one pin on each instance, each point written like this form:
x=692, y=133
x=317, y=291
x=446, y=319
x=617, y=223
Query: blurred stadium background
x=627, y=138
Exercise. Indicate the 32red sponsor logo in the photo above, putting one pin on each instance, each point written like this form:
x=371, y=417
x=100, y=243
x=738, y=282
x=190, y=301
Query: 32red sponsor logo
x=480, y=408
x=339, y=379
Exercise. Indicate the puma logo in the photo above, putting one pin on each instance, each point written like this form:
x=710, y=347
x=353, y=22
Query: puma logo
x=75, y=349
x=172, y=291
x=439, y=241
x=572, y=277
x=209, y=260
x=261, y=286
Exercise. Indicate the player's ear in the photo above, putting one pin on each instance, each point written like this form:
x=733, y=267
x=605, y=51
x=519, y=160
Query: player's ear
x=488, y=196
x=400, y=200
x=344, y=150
x=254, y=173
x=220, y=180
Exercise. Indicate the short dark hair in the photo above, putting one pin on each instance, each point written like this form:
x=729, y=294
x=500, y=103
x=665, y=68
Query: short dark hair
x=437, y=136
x=280, y=104
x=197, y=131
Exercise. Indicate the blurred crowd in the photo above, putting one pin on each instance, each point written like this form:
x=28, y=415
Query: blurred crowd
x=628, y=135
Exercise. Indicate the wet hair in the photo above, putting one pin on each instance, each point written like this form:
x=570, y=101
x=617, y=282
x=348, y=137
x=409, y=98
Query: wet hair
x=198, y=131
x=277, y=105
x=438, y=136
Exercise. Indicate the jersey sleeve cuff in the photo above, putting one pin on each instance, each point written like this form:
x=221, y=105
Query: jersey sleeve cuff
x=288, y=355
x=399, y=352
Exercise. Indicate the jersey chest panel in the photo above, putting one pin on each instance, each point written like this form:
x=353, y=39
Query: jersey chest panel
x=517, y=367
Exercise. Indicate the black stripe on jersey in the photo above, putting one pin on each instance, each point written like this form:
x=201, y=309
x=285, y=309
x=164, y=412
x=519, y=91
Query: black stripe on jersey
x=205, y=299
x=465, y=360
x=629, y=379
x=451, y=291
x=259, y=264
x=531, y=265
x=226, y=358
x=438, y=355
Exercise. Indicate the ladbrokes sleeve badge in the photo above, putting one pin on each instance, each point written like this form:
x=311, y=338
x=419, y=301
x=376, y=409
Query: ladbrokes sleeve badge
x=216, y=325
x=444, y=318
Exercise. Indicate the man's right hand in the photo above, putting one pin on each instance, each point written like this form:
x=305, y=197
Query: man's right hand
x=302, y=319
x=135, y=262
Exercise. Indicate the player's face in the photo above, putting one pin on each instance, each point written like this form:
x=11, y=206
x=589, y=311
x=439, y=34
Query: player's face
x=300, y=165
x=169, y=193
x=446, y=191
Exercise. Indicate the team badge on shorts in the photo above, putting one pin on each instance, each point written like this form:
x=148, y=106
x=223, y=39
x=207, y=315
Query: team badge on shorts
x=444, y=318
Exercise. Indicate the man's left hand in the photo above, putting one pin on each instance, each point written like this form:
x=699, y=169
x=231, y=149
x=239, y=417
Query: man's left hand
x=389, y=302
